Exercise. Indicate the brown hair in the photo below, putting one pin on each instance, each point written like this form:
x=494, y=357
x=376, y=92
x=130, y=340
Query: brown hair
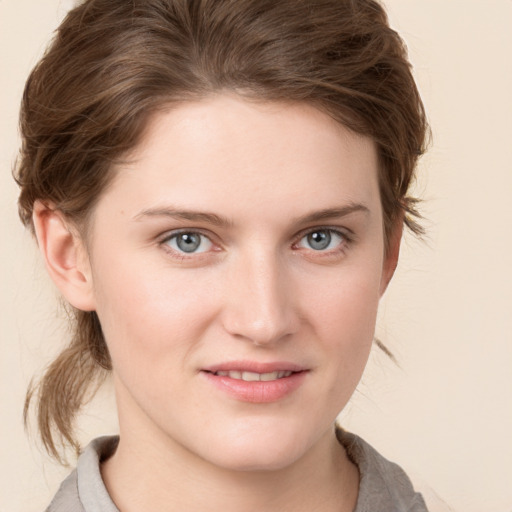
x=113, y=63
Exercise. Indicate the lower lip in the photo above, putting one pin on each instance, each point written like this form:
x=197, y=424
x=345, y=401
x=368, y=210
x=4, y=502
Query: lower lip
x=259, y=392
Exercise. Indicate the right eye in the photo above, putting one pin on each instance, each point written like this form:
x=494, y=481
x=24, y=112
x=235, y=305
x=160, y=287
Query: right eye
x=189, y=242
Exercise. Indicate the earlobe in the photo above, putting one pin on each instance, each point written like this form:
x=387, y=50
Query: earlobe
x=392, y=254
x=64, y=255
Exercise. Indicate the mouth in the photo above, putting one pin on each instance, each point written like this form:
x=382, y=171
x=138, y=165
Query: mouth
x=254, y=376
x=256, y=382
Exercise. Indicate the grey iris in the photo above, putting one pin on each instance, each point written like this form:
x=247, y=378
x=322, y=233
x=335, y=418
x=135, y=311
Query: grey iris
x=188, y=242
x=319, y=240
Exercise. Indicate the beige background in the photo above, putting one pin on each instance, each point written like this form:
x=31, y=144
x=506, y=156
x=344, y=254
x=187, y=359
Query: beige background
x=447, y=412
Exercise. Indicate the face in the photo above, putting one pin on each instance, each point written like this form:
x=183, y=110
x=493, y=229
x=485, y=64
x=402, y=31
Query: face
x=237, y=262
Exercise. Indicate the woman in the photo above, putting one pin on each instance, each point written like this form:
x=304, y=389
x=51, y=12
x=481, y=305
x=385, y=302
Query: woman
x=218, y=189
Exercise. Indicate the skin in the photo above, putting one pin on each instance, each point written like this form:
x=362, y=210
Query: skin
x=256, y=290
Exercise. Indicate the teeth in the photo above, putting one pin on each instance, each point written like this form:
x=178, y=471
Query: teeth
x=253, y=377
x=250, y=376
x=269, y=376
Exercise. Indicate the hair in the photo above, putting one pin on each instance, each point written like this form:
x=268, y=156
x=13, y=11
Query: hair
x=114, y=63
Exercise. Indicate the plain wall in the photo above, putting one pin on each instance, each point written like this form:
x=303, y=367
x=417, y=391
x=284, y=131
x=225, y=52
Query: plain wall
x=446, y=412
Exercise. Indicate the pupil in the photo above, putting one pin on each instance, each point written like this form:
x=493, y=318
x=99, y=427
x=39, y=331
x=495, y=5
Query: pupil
x=188, y=242
x=319, y=240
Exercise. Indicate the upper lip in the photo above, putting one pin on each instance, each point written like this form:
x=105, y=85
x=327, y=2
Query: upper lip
x=255, y=367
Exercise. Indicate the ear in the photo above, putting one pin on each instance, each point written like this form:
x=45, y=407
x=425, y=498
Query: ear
x=392, y=253
x=65, y=256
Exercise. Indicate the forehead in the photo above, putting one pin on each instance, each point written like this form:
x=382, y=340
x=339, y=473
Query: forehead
x=226, y=149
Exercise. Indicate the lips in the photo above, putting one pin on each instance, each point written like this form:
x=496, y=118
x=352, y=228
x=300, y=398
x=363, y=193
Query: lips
x=254, y=376
x=256, y=382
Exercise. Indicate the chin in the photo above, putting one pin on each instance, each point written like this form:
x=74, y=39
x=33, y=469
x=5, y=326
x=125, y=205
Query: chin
x=260, y=460
x=255, y=452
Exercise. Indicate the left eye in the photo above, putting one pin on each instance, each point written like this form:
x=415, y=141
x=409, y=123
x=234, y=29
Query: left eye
x=321, y=240
x=189, y=242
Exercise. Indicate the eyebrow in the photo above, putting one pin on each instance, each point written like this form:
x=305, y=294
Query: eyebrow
x=223, y=222
x=332, y=213
x=189, y=215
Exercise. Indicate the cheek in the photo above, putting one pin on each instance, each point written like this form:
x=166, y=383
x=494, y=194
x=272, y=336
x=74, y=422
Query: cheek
x=347, y=305
x=343, y=318
x=149, y=315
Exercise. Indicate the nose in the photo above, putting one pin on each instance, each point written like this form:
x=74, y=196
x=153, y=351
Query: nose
x=259, y=300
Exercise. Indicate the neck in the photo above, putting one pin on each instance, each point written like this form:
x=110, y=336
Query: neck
x=323, y=479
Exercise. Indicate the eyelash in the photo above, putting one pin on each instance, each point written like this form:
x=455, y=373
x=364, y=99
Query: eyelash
x=345, y=242
x=168, y=237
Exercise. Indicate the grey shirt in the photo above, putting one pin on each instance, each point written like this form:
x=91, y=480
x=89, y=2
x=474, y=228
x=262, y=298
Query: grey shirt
x=383, y=486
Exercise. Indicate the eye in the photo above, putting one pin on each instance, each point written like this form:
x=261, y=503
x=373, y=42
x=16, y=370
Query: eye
x=189, y=242
x=322, y=240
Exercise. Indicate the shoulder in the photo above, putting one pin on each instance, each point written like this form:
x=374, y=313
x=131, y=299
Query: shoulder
x=383, y=485
x=66, y=499
x=83, y=490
